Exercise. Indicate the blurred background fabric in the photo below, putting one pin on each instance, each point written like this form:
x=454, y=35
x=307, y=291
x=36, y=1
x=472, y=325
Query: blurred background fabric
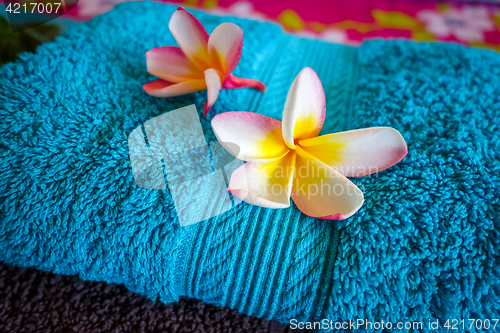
x=473, y=23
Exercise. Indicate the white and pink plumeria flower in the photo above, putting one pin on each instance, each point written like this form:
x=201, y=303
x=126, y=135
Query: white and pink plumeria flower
x=200, y=62
x=287, y=159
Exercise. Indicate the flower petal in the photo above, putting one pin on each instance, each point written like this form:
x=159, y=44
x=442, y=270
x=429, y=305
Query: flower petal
x=305, y=106
x=214, y=85
x=258, y=137
x=264, y=184
x=234, y=82
x=169, y=63
x=359, y=152
x=225, y=45
x=191, y=37
x=162, y=88
x=320, y=191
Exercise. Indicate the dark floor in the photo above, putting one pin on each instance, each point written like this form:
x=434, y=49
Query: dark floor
x=35, y=301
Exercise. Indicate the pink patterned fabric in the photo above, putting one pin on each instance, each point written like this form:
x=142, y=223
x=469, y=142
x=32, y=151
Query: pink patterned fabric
x=352, y=21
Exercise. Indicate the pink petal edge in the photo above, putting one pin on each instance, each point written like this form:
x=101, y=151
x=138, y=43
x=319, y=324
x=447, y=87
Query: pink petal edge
x=225, y=45
x=337, y=217
x=191, y=36
x=171, y=64
x=162, y=88
x=321, y=177
x=234, y=82
x=251, y=184
x=250, y=136
x=360, y=152
x=212, y=79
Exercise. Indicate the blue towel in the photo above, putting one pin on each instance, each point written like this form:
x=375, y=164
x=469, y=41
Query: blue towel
x=424, y=246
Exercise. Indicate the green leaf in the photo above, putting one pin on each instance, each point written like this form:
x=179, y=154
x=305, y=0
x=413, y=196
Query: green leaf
x=423, y=36
x=395, y=20
x=11, y=44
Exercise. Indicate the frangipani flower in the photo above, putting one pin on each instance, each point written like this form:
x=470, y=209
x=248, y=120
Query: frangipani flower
x=200, y=62
x=287, y=159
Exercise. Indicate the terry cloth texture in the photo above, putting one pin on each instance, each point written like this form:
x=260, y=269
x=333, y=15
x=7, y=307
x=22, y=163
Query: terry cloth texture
x=32, y=301
x=424, y=246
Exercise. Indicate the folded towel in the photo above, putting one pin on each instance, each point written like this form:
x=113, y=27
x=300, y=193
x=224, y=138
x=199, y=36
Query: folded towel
x=424, y=246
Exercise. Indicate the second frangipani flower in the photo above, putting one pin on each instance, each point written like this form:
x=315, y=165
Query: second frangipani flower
x=287, y=159
x=200, y=62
